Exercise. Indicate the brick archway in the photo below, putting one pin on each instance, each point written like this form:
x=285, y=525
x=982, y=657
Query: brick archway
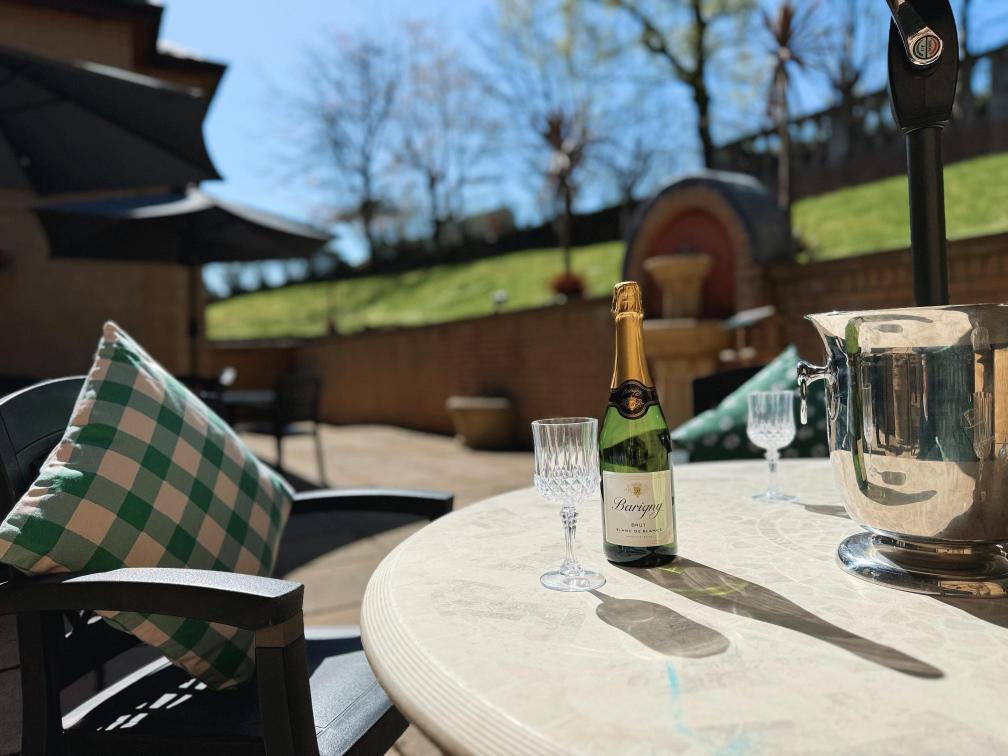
x=692, y=217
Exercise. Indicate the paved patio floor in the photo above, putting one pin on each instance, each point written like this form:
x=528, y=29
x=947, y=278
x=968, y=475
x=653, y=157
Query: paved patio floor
x=336, y=553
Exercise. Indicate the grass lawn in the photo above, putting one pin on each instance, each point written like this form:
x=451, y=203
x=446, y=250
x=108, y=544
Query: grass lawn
x=852, y=221
x=433, y=295
x=875, y=216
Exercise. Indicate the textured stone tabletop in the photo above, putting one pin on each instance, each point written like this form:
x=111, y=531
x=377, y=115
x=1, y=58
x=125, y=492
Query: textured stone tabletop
x=753, y=641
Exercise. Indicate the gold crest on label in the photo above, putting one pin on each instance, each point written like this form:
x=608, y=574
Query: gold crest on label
x=636, y=489
x=634, y=402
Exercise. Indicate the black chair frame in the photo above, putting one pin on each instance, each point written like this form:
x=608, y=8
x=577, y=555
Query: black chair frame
x=32, y=421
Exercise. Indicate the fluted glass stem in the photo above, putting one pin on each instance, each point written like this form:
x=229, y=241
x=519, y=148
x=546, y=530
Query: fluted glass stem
x=772, y=456
x=570, y=565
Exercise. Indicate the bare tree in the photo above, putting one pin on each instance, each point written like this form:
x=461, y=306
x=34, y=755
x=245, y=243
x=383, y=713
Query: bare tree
x=629, y=165
x=978, y=20
x=689, y=35
x=636, y=151
x=567, y=134
x=346, y=118
x=548, y=71
x=445, y=133
x=795, y=41
x=965, y=100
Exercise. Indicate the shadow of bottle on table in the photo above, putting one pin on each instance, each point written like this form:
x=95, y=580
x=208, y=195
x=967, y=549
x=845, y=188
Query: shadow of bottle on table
x=659, y=628
x=729, y=593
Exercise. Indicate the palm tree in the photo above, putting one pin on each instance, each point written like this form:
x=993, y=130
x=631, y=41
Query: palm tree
x=795, y=45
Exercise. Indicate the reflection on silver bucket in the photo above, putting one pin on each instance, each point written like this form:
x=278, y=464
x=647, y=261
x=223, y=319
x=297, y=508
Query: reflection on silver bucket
x=917, y=406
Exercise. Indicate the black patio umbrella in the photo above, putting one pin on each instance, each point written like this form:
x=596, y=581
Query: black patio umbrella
x=81, y=127
x=187, y=228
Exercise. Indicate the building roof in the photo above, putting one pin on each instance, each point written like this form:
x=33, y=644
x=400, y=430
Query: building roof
x=151, y=57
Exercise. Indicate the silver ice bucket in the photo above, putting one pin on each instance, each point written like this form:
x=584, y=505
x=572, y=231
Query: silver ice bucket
x=917, y=408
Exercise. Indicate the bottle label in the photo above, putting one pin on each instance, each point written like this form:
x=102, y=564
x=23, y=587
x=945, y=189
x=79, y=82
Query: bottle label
x=638, y=508
x=632, y=399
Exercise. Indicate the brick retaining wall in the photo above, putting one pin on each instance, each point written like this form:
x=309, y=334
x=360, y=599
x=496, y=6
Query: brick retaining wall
x=557, y=360
x=978, y=272
x=549, y=361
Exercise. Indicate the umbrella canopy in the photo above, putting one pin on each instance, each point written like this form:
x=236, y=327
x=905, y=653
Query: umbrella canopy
x=187, y=228
x=77, y=127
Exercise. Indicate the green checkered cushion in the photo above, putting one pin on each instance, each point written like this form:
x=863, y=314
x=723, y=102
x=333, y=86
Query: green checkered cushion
x=147, y=476
x=720, y=433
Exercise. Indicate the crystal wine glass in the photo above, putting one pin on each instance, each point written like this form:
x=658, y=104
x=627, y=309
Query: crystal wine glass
x=566, y=473
x=771, y=426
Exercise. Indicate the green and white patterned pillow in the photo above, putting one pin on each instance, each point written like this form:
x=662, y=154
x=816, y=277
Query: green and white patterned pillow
x=720, y=433
x=147, y=476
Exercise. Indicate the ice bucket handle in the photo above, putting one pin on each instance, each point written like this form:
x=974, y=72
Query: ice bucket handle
x=809, y=374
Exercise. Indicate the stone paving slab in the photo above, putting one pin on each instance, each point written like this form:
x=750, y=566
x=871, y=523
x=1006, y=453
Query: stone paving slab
x=335, y=554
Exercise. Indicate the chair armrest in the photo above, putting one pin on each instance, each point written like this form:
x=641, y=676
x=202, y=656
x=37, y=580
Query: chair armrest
x=427, y=504
x=245, y=601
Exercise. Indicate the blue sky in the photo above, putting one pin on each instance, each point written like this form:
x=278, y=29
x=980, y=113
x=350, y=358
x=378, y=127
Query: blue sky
x=264, y=41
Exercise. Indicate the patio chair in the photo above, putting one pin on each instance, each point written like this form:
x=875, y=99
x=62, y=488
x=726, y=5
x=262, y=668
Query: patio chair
x=210, y=390
x=709, y=390
x=11, y=383
x=313, y=691
x=295, y=412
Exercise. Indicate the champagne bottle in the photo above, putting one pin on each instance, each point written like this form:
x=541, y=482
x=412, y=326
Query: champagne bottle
x=638, y=505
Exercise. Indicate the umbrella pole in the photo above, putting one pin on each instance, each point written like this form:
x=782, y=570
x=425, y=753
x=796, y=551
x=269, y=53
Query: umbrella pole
x=923, y=72
x=927, y=217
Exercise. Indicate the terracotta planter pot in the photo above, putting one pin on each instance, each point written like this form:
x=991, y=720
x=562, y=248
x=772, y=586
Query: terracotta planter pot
x=482, y=422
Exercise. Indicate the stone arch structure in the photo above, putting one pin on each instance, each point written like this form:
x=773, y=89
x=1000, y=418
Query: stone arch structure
x=729, y=216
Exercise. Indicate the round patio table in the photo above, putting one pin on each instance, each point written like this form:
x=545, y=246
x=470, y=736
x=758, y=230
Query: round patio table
x=753, y=640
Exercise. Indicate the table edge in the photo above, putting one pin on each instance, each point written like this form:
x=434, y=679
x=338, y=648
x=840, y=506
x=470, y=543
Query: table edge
x=408, y=675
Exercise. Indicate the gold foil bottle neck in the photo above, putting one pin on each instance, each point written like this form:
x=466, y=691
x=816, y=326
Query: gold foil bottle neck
x=626, y=299
x=628, y=312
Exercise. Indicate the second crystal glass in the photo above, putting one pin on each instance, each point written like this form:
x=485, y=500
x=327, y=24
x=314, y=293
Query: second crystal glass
x=771, y=426
x=567, y=473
